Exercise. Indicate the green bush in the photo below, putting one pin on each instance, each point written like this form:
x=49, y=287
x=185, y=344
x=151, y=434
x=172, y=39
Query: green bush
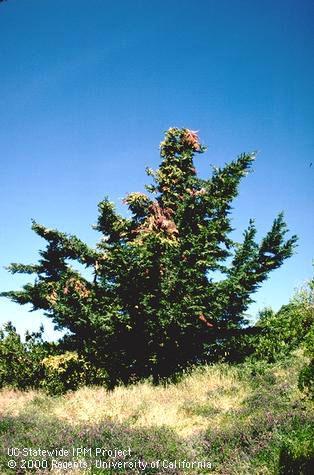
x=306, y=378
x=279, y=333
x=20, y=362
x=36, y=364
x=68, y=371
x=297, y=452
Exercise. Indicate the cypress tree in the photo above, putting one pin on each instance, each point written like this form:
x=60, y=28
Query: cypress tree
x=153, y=306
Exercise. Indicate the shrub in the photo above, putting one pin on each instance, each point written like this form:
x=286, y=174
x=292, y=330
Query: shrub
x=20, y=363
x=68, y=371
x=35, y=364
x=297, y=452
x=306, y=378
x=281, y=332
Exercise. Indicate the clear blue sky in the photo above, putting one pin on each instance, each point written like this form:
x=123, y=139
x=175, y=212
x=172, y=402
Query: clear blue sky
x=88, y=87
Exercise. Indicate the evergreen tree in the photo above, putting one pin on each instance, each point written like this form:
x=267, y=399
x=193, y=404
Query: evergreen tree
x=152, y=306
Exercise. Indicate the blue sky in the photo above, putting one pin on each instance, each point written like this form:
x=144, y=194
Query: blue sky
x=88, y=87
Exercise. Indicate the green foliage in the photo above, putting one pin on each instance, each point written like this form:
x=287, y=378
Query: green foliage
x=20, y=363
x=297, y=451
x=37, y=364
x=292, y=327
x=153, y=306
x=279, y=333
x=67, y=371
x=306, y=378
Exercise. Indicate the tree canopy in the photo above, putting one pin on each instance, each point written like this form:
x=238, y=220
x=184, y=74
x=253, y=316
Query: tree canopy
x=152, y=305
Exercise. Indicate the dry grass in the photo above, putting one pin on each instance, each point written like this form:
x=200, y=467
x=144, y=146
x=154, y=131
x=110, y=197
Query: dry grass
x=238, y=417
x=185, y=407
x=13, y=402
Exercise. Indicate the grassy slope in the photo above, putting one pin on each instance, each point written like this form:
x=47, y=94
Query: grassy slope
x=238, y=418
